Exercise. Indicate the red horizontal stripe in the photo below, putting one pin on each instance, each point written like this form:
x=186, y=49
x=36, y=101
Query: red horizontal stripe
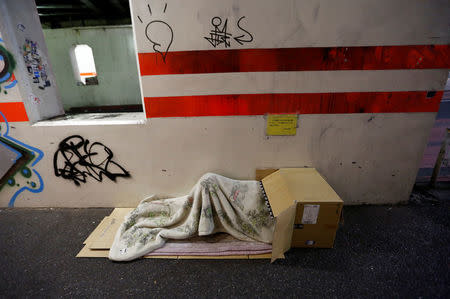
x=304, y=103
x=88, y=74
x=296, y=59
x=13, y=111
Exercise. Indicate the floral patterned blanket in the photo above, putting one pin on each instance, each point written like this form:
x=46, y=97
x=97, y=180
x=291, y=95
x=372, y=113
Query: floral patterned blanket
x=215, y=204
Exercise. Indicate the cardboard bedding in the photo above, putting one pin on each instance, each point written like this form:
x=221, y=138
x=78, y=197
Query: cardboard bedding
x=299, y=196
x=215, y=204
x=222, y=246
x=220, y=217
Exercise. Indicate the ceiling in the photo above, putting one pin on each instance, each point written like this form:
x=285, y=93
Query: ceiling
x=74, y=13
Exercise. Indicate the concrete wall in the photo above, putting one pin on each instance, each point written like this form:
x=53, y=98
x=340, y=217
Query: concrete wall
x=370, y=157
x=115, y=61
x=364, y=164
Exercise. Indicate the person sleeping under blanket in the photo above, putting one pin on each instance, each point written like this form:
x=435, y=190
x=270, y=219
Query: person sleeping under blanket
x=215, y=204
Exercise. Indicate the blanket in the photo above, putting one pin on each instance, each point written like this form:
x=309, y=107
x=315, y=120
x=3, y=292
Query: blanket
x=215, y=204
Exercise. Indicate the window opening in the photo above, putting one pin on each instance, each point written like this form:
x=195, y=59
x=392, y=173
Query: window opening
x=83, y=65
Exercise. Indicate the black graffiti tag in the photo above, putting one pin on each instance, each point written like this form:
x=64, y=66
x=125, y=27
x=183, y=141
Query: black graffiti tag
x=159, y=33
x=247, y=37
x=76, y=159
x=219, y=35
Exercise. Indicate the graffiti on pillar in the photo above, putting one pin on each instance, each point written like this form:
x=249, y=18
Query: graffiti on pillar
x=7, y=65
x=17, y=162
x=35, y=64
x=159, y=33
x=21, y=27
x=77, y=159
x=33, y=99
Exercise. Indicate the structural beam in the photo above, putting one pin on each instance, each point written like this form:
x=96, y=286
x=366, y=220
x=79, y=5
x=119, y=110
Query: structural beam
x=89, y=4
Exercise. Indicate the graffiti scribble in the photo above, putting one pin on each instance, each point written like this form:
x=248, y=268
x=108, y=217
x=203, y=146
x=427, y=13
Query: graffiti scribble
x=19, y=161
x=219, y=35
x=159, y=34
x=21, y=27
x=247, y=37
x=76, y=159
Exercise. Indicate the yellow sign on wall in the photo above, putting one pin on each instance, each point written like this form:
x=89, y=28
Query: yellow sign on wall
x=281, y=124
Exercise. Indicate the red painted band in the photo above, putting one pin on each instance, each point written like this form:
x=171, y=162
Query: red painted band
x=13, y=111
x=304, y=103
x=296, y=59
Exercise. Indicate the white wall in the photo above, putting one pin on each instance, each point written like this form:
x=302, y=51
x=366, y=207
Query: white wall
x=300, y=23
x=360, y=155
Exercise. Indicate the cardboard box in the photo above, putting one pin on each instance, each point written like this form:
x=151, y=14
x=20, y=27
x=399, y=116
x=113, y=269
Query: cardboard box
x=306, y=209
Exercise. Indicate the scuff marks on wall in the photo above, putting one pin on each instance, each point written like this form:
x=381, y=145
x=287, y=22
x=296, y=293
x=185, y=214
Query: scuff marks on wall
x=34, y=63
x=17, y=167
x=7, y=65
x=76, y=159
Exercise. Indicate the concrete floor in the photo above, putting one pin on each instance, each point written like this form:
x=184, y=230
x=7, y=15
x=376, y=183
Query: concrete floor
x=388, y=251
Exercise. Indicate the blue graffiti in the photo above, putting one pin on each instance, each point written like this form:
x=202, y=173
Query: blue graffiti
x=8, y=76
x=25, y=171
x=11, y=85
x=6, y=135
x=41, y=184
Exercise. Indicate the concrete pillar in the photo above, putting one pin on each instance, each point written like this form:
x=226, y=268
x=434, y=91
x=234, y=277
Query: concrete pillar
x=22, y=33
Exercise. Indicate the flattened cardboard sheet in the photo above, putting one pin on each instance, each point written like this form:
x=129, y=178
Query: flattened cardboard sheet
x=282, y=236
x=120, y=213
x=277, y=192
x=105, y=234
x=86, y=252
x=101, y=239
x=92, y=236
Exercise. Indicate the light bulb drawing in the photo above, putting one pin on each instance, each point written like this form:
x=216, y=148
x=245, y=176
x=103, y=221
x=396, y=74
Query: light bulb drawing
x=159, y=34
